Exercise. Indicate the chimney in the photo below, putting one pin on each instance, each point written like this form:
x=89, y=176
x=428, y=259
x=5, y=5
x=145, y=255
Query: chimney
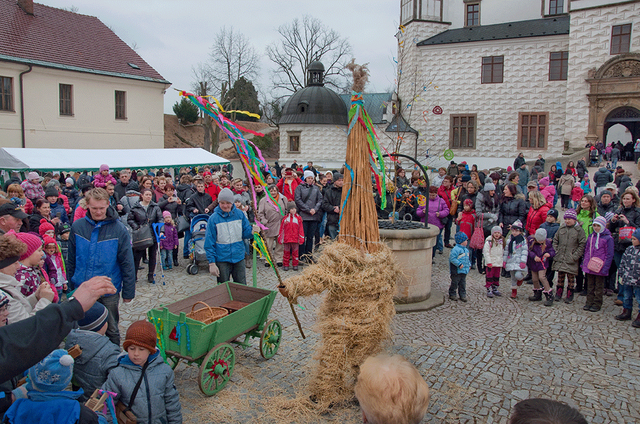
x=26, y=5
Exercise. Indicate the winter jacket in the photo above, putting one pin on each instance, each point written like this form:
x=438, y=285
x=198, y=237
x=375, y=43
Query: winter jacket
x=212, y=190
x=331, y=198
x=199, y=201
x=471, y=197
x=291, y=230
x=551, y=228
x=518, y=162
x=58, y=208
x=535, y=249
x=121, y=189
x=577, y=193
x=615, y=154
x=459, y=256
x=489, y=215
x=549, y=193
x=81, y=210
x=436, y=206
x=72, y=196
x=437, y=180
x=633, y=215
x=20, y=306
x=138, y=216
x=519, y=255
x=288, y=188
x=493, y=252
x=602, y=177
x=581, y=168
x=270, y=216
x=308, y=197
x=170, y=240
x=630, y=266
x=226, y=232
x=568, y=242
x=467, y=223
x=173, y=207
x=99, y=356
x=604, y=251
x=184, y=191
x=585, y=185
x=101, y=181
x=609, y=207
x=452, y=170
x=157, y=401
x=625, y=183
x=536, y=217
x=586, y=221
x=565, y=184
x=101, y=248
x=511, y=210
x=32, y=191
x=446, y=195
x=524, y=176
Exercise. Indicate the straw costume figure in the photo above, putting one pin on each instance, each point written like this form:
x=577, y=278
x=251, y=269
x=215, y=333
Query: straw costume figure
x=358, y=272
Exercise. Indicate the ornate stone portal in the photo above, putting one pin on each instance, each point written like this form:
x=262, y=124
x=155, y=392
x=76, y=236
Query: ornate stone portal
x=615, y=96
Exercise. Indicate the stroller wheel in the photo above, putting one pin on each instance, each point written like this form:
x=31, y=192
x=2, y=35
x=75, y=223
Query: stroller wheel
x=189, y=269
x=194, y=269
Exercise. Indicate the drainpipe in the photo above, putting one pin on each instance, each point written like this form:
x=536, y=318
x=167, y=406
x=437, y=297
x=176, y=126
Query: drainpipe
x=24, y=142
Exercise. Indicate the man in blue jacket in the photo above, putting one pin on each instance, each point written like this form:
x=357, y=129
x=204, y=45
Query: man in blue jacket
x=226, y=230
x=99, y=245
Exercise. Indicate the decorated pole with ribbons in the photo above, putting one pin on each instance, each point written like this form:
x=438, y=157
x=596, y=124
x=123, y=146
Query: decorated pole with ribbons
x=252, y=160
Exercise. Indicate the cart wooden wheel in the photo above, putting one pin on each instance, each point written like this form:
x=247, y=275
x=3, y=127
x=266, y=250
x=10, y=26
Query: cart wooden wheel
x=270, y=339
x=216, y=369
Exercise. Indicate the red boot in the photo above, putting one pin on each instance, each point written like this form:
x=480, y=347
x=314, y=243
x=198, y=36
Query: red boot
x=514, y=293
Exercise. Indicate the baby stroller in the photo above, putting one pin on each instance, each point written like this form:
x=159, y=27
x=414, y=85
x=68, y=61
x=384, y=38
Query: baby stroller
x=196, y=243
x=593, y=157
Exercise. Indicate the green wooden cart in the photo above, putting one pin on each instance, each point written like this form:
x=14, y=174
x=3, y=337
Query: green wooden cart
x=210, y=345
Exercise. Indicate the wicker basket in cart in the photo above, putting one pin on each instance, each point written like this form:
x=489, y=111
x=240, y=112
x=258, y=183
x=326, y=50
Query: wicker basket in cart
x=208, y=314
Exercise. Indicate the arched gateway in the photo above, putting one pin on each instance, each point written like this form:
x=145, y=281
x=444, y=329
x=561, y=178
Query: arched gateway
x=614, y=97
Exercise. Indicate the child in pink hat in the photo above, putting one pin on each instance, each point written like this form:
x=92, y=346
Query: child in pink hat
x=104, y=177
x=29, y=273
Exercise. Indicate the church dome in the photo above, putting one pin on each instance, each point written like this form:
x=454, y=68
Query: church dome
x=314, y=104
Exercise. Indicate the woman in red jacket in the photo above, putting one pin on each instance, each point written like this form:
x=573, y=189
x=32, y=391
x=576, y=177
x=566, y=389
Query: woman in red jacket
x=537, y=212
x=288, y=183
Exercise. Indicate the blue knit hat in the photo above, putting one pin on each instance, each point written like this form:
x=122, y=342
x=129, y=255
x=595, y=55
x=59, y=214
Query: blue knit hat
x=636, y=234
x=461, y=237
x=94, y=318
x=52, y=374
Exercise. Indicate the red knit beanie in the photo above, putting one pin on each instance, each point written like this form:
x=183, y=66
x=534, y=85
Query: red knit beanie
x=45, y=226
x=143, y=334
x=49, y=240
x=32, y=241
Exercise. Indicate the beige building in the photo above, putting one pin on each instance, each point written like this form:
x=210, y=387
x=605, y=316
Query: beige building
x=68, y=81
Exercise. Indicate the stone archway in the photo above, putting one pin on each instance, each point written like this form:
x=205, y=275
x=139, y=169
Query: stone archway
x=627, y=116
x=614, y=95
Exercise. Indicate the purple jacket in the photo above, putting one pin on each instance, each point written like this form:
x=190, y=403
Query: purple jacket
x=604, y=251
x=535, y=249
x=171, y=238
x=436, y=205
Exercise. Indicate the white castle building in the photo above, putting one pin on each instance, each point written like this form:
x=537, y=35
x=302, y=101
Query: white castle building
x=489, y=78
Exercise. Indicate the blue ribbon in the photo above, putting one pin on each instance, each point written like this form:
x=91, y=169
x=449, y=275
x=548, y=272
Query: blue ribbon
x=179, y=333
x=348, y=194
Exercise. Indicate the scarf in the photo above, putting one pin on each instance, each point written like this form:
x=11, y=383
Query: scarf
x=513, y=240
x=597, y=237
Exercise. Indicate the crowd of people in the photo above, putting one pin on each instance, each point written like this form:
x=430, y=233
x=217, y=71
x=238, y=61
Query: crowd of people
x=508, y=225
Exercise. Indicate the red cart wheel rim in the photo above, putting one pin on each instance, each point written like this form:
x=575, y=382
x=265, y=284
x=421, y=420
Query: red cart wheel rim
x=216, y=369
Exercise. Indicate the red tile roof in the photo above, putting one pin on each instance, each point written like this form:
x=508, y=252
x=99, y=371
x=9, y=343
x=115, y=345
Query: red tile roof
x=57, y=38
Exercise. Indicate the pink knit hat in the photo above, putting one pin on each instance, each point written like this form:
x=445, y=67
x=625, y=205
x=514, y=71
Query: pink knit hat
x=544, y=182
x=104, y=167
x=32, y=241
x=45, y=226
x=166, y=214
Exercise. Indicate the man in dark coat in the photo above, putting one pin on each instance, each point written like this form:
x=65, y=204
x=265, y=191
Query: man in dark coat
x=331, y=203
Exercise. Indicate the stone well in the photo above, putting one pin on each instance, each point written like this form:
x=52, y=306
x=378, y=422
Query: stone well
x=413, y=249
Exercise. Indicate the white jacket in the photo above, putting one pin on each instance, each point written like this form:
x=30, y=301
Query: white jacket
x=20, y=307
x=492, y=254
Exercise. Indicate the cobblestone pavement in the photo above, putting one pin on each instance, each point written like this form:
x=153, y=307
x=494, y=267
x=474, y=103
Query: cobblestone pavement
x=479, y=358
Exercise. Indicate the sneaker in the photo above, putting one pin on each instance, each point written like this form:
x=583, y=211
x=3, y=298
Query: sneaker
x=279, y=264
x=496, y=292
x=286, y=268
x=594, y=308
x=586, y=307
x=463, y=298
x=266, y=265
x=295, y=268
x=453, y=297
x=489, y=292
x=441, y=251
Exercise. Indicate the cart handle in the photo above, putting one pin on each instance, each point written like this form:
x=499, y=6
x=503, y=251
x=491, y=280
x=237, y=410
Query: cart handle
x=208, y=307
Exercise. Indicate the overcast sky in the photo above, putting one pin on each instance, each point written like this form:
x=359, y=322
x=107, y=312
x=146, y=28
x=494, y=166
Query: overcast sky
x=173, y=36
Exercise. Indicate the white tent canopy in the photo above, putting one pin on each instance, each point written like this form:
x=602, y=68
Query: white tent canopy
x=91, y=159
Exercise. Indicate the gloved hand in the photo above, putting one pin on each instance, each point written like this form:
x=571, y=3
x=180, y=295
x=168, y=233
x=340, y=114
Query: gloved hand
x=523, y=265
x=256, y=229
x=20, y=392
x=213, y=269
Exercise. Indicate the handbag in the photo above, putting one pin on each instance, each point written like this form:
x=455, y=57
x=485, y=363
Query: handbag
x=454, y=205
x=183, y=224
x=625, y=233
x=142, y=237
x=123, y=412
x=594, y=264
x=477, y=238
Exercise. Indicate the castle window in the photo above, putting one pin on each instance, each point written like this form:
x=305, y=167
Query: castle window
x=620, y=38
x=294, y=142
x=6, y=93
x=556, y=7
x=462, y=132
x=558, y=64
x=533, y=130
x=472, y=16
x=492, y=69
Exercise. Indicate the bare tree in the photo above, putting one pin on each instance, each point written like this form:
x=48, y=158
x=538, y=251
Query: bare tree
x=303, y=42
x=231, y=58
